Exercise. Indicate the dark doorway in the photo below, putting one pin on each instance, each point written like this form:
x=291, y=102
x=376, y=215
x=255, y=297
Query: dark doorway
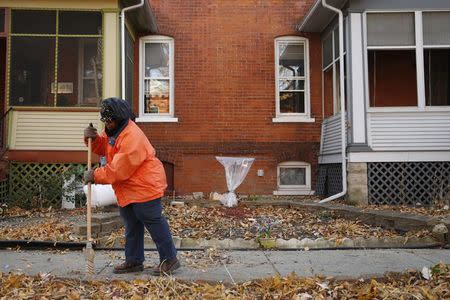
x=169, y=168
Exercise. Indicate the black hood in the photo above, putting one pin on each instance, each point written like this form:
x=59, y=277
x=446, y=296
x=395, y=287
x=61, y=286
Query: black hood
x=115, y=109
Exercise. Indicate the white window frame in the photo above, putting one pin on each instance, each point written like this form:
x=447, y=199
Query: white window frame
x=293, y=117
x=334, y=62
x=294, y=189
x=419, y=48
x=166, y=117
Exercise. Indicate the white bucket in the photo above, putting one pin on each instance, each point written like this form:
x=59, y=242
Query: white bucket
x=101, y=195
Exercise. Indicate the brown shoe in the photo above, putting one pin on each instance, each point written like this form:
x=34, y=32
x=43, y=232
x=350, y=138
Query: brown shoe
x=166, y=267
x=127, y=267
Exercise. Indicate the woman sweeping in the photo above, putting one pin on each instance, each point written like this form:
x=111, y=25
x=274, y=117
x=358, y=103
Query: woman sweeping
x=138, y=179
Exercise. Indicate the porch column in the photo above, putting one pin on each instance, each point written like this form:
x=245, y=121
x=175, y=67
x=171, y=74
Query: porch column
x=357, y=103
x=111, y=54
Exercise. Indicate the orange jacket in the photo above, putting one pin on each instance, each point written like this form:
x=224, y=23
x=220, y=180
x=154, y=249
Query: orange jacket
x=133, y=169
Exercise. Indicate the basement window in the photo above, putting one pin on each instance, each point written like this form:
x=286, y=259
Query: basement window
x=293, y=178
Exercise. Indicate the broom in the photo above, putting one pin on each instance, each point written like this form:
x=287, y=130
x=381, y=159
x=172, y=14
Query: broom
x=89, y=250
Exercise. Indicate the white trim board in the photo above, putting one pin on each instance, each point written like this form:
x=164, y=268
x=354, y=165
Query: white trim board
x=330, y=159
x=400, y=156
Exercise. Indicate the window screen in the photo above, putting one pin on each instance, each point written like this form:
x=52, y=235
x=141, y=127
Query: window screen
x=129, y=66
x=69, y=22
x=436, y=28
x=390, y=29
x=32, y=72
x=437, y=77
x=2, y=19
x=327, y=48
x=33, y=21
x=336, y=43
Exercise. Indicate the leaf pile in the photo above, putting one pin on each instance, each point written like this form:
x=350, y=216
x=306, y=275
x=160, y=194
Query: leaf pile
x=409, y=285
x=435, y=211
x=51, y=230
x=214, y=222
x=244, y=222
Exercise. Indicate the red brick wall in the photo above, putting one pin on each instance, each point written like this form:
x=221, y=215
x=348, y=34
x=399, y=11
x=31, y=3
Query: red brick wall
x=225, y=92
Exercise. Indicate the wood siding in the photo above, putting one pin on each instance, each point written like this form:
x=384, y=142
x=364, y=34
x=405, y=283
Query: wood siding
x=45, y=130
x=397, y=131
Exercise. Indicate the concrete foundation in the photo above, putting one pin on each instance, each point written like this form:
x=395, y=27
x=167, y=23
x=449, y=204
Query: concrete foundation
x=358, y=192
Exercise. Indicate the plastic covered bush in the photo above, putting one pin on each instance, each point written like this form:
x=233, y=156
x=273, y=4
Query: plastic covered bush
x=236, y=168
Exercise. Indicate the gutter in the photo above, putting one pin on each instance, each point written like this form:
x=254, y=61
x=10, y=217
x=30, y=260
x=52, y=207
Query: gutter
x=122, y=43
x=309, y=14
x=342, y=100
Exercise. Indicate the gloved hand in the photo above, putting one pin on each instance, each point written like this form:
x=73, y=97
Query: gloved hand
x=90, y=132
x=88, y=176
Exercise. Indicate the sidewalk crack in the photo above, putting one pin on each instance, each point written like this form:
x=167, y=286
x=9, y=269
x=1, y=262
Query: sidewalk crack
x=271, y=263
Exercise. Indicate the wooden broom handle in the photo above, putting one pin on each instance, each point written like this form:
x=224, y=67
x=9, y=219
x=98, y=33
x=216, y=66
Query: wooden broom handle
x=88, y=227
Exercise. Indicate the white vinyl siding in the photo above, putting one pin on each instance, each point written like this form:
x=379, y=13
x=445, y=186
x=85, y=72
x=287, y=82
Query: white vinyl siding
x=409, y=131
x=43, y=130
x=331, y=135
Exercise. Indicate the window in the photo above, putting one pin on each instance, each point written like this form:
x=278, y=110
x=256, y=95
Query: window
x=391, y=59
x=331, y=73
x=294, y=178
x=156, y=99
x=55, y=65
x=292, y=79
x=2, y=19
x=129, y=65
x=397, y=75
x=436, y=38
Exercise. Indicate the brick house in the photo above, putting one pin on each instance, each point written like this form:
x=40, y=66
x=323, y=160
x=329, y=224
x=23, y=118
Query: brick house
x=205, y=78
x=235, y=78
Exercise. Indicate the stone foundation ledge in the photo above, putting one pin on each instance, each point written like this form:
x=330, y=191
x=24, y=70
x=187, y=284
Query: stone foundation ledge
x=303, y=244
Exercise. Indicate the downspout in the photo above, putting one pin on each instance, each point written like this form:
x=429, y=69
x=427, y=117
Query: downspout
x=342, y=100
x=122, y=43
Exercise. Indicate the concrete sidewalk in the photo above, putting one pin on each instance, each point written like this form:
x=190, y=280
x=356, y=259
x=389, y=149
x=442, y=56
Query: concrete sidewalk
x=240, y=266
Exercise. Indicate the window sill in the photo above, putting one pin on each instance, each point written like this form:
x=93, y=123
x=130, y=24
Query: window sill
x=293, y=119
x=160, y=119
x=294, y=192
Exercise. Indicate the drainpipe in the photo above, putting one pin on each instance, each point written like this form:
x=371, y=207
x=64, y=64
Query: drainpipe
x=122, y=43
x=342, y=100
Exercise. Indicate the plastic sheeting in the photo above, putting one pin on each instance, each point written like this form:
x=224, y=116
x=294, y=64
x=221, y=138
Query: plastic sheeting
x=236, y=168
x=101, y=195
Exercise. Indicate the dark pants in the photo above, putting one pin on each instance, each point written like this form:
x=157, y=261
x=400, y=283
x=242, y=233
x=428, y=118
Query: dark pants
x=148, y=214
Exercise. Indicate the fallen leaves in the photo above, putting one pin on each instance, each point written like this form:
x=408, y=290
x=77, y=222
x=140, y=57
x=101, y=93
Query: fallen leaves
x=201, y=259
x=51, y=230
x=435, y=210
x=408, y=285
x=244, y=222
x=206, y=222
